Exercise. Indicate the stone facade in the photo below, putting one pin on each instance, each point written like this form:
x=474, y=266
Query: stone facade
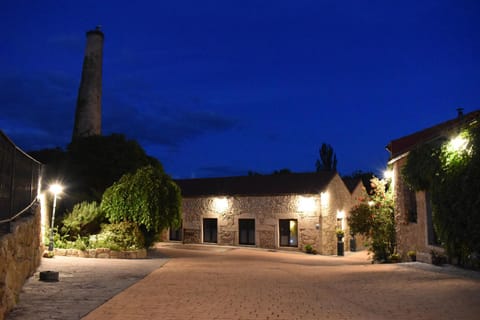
x=313, y=216
x=411, y=235
x=20, y=255
x=415, y=231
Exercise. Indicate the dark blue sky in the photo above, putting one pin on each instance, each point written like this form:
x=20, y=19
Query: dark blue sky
x=217, y=88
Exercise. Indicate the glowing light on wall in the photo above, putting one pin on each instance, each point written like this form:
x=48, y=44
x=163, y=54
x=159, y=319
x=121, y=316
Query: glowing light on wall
x=220, y=205
x=341, y=217
x=458, y=143
x=325, y=199
x=388, y=174
x=306, y=204
x=340, y=214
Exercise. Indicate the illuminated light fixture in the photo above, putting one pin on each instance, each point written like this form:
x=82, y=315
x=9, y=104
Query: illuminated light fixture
x=458, y=144
x=388, y=174
x=56, y=189
x=220, y=204
x=341, y=217
x=324, y=199
x=306, y=204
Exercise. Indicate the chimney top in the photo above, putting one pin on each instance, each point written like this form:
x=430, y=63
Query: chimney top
x=460, y=112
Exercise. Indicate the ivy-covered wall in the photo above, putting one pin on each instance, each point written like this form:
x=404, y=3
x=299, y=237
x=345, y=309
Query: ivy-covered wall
x=411, y=236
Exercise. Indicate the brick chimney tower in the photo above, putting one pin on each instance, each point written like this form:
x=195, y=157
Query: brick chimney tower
x=88, y=115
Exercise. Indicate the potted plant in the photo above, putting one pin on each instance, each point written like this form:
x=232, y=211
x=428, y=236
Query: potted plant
x=412, y=254
x=308, y=248
x=340, y=245
x=394, y=258
x=340, y=234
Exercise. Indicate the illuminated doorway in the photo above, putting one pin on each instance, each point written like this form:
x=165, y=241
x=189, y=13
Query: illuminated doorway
x=288, y=233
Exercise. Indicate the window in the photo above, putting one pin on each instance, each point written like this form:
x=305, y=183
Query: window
x=176, y=234
x=431, y=233
x=288, y=233
x=246, y=229
x=410, y=200
x=210, y=230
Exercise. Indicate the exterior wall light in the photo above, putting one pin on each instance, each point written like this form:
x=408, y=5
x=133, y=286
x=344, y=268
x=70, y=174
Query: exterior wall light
x=220, y=205
x=325, y=199
x=341, y=217
x=306, y=204
x=458, y=143
x=388, y=174
x=340, y=214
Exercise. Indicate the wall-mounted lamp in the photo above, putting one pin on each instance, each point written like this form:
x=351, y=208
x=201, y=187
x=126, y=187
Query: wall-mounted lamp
x=220, y=205
x=306, y=204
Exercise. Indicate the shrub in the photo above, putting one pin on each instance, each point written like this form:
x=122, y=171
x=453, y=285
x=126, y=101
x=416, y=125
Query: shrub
x=374, y=218
x=84, y=219
x=119, y=236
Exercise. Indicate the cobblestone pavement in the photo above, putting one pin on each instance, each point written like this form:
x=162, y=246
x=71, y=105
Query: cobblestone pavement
x=236, y=283
x=83, y=285
x=213, y=282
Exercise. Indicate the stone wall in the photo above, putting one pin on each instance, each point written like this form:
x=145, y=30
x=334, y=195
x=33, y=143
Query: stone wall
x=411, y=235
x=316, y=222
x=20, y=255
x=102, y=253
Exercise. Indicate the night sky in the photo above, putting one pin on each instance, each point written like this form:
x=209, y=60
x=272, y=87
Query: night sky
x=218, y=88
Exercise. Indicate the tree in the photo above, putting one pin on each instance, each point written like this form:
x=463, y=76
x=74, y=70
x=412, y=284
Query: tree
x=328, y=159
x=282, y=171
x=96, y=162
x=148, y=198
x=374, y=218
x=90, y=165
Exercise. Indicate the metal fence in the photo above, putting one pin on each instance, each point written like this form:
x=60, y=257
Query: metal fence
x=19, y=180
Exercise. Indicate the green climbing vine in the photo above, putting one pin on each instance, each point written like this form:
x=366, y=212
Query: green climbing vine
x=450, y=171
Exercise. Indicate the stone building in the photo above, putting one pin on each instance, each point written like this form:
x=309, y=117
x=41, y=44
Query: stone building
x=271, y=211
x=413, y=211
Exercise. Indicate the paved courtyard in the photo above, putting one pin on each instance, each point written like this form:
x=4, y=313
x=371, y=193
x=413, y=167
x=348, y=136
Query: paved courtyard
x=212, y=282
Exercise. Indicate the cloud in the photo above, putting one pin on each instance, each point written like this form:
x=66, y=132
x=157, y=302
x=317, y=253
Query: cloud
x=38, y=112
x=165, y=125
x=37, y=109
x=70, y=42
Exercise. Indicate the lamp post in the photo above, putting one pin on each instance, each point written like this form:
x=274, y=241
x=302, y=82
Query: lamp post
x=55, y=189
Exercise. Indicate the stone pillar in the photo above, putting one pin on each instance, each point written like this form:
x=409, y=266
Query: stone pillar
x=88, y=115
